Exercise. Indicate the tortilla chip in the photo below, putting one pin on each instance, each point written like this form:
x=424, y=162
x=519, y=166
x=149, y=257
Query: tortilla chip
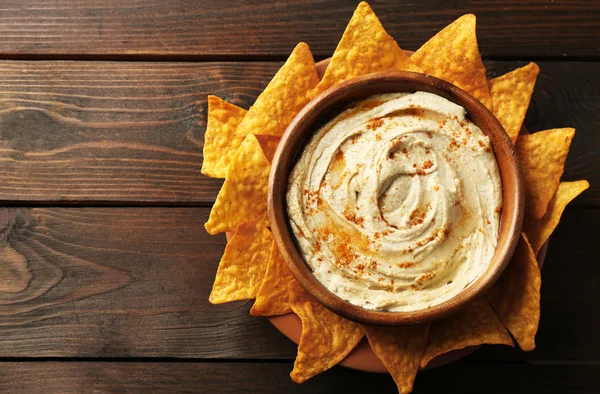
x=452, y=55
x=326, y=337
x=511, y=94
x=268, y=145
x=242, y=267
x=542, y=156
x=243, y=196
x=400, y=349
x=476, y=325
x=516, y=295
x=220, y=141
x=539, y=230
x=272, y=298
x=364, y=48
x=284, y=97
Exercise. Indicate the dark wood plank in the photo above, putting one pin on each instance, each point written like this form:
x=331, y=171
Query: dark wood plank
x=263, y=28
x=107, y=131
x=76, y=377
x=134, y=282
x=115, y=282
x=569, y=314
x=112, y=132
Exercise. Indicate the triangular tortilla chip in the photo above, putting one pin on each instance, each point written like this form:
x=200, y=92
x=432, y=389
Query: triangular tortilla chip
x=452, y=55
x=220, y=141
x=542, y=156
x=242, y=267
x=400, y=349
x=269, y=145
x=284, y=97
x=511, y=94
x=326, y=337
x=476, y=325
x=272, y=298
x=243, y=196
x=364, y=48
x=539, y=230
x=516, y=295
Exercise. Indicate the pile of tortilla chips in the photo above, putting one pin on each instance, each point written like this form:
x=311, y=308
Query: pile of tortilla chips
x=239, y=146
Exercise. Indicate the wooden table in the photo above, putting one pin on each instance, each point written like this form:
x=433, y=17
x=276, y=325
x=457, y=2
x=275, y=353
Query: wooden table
x=105, y=267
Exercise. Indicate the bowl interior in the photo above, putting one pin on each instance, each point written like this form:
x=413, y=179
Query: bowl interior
x=328, y=105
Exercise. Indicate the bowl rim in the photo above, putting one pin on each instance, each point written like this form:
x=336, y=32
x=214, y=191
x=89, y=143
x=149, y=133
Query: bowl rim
x=328, y=104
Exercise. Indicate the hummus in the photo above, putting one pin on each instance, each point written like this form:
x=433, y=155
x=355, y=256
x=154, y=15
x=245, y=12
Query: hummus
x=396, y=202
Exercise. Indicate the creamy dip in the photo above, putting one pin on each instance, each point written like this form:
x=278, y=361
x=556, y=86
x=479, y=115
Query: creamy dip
x=396, y=202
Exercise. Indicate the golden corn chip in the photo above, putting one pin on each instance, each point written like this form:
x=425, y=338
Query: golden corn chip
x=326, y=337
x=284, y=97
x=364, y=48
x=220, y=141
x=452, y=55
x=272, y=298
x=542, y=156
x=511, y=94
x=516, y=295
x=539, y=230
x=269, y=145
x=400, y=349
x=242, y=267
x=243, y=196
x=476, y=325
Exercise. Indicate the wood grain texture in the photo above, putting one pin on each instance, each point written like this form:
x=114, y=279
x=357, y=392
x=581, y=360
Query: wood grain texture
x=263, y=28
x=134, y=282
x=117, y=132
x=119, y=282
x=107, y=131
x=143, y=377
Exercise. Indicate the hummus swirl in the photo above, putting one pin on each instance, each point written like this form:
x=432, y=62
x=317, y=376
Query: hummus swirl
x=395, y=203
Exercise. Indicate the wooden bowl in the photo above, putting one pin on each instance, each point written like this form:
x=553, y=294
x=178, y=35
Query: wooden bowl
x=324, y=108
